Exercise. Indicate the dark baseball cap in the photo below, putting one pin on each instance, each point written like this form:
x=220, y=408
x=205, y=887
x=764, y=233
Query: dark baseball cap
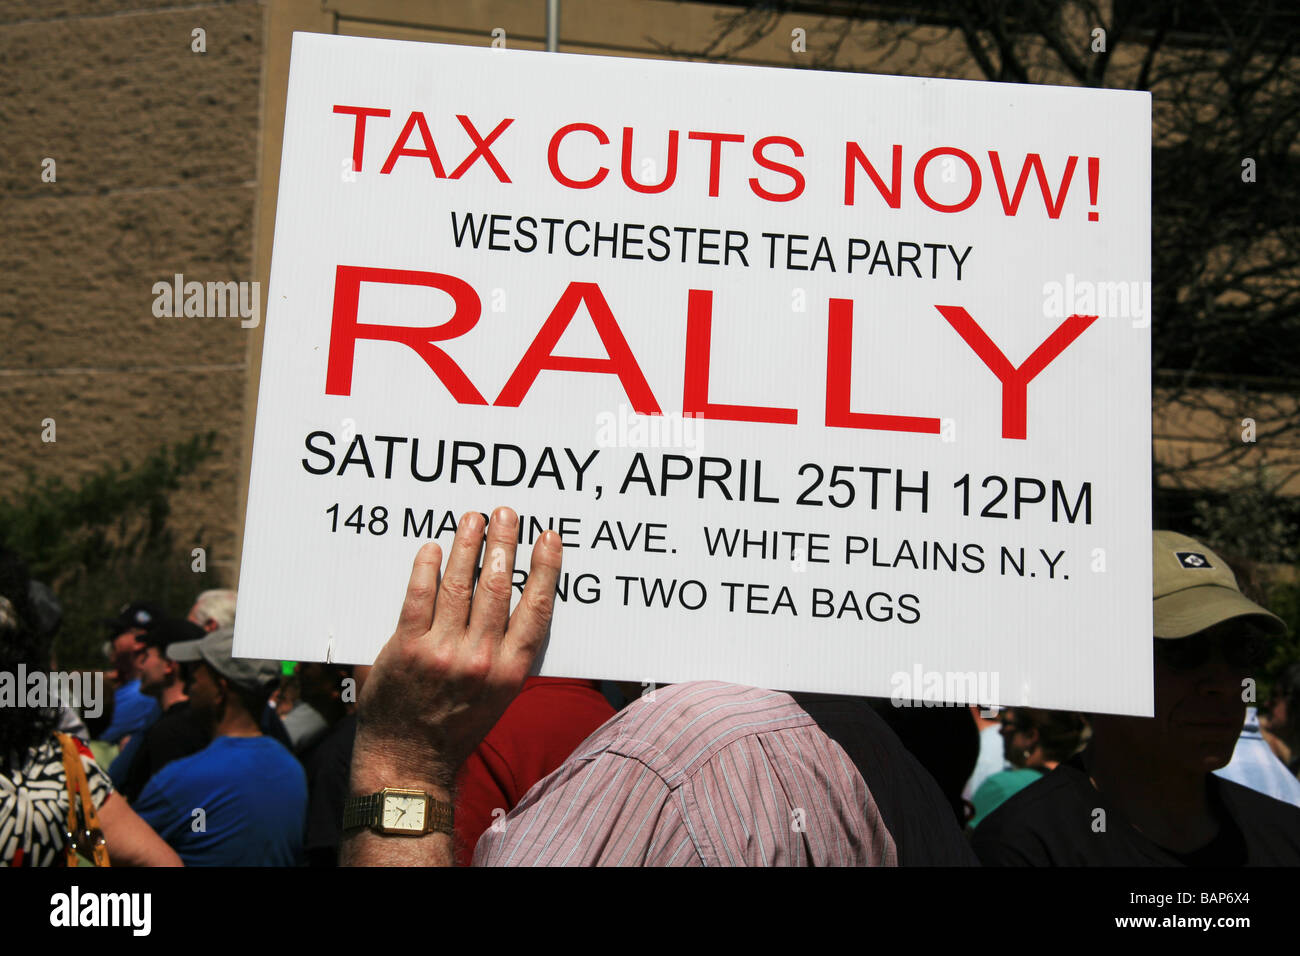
x=170, y=630
x=136, y=616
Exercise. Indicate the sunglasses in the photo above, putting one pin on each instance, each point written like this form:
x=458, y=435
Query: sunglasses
x=1249, y=651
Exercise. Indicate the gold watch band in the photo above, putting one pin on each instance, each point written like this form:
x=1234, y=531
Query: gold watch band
x=364, y=811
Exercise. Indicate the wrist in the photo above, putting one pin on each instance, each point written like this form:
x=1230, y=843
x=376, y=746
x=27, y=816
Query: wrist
x=374, y=768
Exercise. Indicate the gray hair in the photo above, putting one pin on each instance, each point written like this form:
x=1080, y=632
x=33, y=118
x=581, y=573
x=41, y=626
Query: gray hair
x=214, y=609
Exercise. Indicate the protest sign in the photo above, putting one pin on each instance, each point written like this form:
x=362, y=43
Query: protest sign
x=829, y=382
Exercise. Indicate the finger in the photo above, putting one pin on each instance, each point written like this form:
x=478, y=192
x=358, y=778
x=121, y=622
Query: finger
x=421, y=594
x=487, y=618
x=452, y=609
x=532, y=618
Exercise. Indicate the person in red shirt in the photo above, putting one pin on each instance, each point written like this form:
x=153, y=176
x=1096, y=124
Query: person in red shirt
x=538, y=731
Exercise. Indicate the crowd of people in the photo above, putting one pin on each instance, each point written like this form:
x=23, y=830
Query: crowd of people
x=446, y=752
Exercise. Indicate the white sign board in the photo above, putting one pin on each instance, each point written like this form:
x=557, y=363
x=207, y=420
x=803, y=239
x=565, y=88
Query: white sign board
x=830, y=382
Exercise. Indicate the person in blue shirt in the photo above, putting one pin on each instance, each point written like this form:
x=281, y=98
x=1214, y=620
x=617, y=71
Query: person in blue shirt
x=242, y=800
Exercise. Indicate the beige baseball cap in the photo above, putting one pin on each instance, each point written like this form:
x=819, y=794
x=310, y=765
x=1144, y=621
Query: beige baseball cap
x=1195, y=589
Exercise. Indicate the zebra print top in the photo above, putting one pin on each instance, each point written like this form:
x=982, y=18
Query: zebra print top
x=34, y=803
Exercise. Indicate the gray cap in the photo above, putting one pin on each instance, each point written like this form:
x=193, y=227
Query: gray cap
x=215, y=651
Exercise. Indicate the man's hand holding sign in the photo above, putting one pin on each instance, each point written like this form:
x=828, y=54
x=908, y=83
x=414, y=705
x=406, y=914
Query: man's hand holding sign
x=456, y=660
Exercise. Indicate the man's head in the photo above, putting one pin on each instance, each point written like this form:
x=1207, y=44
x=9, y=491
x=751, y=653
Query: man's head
x=1209, y=639
x=221, y=686
x=125, y=648
x=1036, y=738
x=125, y=629
x=1199, y=681
x=213, y=610
x=156, y=670
x=208, y=693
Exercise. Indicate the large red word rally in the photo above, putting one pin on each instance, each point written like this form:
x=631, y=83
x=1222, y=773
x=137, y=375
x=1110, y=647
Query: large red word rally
x=773, y=154
x=346, y=330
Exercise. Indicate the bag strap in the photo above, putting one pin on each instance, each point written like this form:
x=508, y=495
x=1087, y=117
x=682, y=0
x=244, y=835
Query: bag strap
x=79, y=790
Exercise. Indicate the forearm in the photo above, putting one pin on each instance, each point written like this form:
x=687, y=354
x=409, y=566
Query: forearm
x=364, y=847
x=131, y=841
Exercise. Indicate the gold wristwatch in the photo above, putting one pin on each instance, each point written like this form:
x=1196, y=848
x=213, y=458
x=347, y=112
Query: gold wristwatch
x=400, y=812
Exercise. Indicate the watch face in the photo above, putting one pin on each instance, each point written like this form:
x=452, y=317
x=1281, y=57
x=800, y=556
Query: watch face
x=403, y=812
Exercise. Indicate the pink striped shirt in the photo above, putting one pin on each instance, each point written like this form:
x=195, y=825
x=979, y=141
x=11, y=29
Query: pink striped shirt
x=706, y=774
